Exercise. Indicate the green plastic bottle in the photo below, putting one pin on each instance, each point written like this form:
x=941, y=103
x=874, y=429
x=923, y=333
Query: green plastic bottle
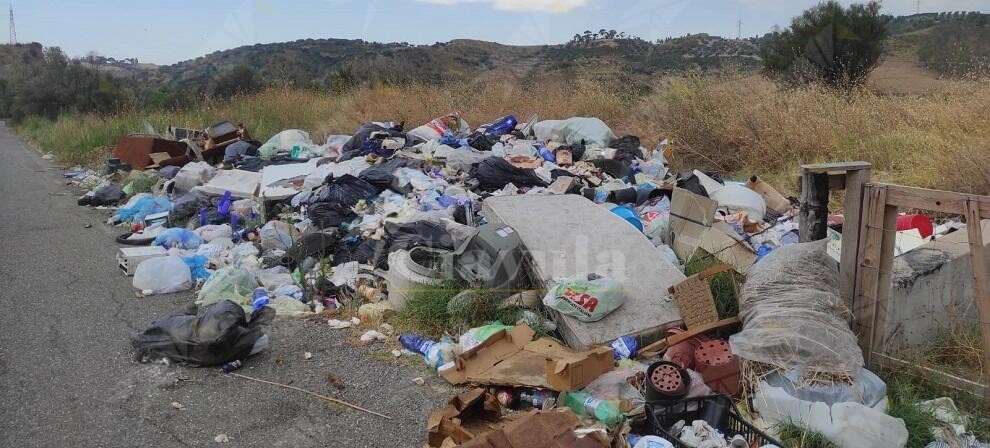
x=585, y=404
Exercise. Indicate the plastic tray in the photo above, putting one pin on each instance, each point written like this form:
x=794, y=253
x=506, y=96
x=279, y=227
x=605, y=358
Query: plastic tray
x=661, y=416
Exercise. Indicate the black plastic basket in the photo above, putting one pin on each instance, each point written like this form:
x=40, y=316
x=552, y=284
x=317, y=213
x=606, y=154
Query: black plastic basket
x=719, y=408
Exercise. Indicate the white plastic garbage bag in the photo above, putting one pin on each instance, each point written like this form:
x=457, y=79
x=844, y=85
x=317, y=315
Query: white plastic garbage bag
x=192, y=175
x=593, y=131
x=284, y=141
x=163, y=275
x=737, y=198
x=211, y=232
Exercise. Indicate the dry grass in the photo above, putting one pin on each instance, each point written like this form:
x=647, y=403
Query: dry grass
x=738, y=125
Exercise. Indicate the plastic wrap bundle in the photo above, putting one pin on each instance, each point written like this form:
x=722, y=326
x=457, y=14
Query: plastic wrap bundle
x=793, y=315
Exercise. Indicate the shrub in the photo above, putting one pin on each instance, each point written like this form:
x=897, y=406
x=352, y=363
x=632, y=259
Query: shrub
x=829, y=44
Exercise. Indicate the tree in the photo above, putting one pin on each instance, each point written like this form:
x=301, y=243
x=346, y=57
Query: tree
x=240, y=79
x=835, y=46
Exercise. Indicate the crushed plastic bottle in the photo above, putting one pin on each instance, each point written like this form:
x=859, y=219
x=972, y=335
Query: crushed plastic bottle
x=586, y=405
x=260, y=298
x=435, y=354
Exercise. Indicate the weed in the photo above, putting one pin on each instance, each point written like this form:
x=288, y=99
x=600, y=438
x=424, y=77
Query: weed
x=723, y=285
x=426, y=310
x=796, y=436
x=738, y=125
x=904, y=397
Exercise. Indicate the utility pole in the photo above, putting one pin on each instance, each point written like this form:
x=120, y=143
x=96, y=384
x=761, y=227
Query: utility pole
x=919, y=7
x=13, y=33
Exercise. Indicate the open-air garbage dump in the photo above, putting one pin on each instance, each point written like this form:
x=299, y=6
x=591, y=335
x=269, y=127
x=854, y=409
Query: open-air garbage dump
x=601, y=298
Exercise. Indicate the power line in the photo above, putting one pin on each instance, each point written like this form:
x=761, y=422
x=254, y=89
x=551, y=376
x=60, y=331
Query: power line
x=13, y=32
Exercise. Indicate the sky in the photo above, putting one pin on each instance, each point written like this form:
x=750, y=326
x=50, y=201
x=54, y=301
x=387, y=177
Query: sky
x=167, y=32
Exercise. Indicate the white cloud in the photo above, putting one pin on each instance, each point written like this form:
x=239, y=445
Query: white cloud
x=552, y=6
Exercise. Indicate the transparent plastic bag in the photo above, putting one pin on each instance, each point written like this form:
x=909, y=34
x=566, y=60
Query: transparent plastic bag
x=228, y=283
x=162, y=275
x=178, y=237
x=615, y=385
x=135, y=211
x=211, y=232
x=793, y=315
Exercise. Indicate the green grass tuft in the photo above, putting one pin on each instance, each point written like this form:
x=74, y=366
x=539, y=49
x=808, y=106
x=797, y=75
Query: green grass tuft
x=796, y=436
x=723, y=285
x=426, y=310
x=904, y=397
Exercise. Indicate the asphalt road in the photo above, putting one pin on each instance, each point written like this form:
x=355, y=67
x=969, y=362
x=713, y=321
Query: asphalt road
x=67, y=373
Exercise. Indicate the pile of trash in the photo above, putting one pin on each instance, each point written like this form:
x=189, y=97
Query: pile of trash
x=586, y=230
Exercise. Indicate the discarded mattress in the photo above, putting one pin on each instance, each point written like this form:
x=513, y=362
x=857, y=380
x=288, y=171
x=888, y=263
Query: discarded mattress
x=567, y=235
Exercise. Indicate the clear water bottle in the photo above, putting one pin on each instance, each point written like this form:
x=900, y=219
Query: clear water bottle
x=586, y=405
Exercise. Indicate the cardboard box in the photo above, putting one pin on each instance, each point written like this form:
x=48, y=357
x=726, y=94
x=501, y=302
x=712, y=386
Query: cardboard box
x=512, y=358
x=541, y=429
x=693, y=225
x=466, y=416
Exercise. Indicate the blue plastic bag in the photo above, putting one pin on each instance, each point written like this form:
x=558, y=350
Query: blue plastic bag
x=624, y=347
x=178, y=237
x=197, y=267
x=143, y=207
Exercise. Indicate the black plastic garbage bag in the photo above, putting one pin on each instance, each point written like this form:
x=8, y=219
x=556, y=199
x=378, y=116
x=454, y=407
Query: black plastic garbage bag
x=380, y=176
x=690, y=182
x=217, y=334
x=329, y=214
x=480, y=141
x=351, y=148
x=397, y=236
x=108, y=195
x=627, y=148
x=188, y=205
x=494, y=173
x=169, y=172
x=614, y=168
x=346, y=190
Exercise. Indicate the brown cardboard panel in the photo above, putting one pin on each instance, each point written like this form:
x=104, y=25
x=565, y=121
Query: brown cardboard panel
x=466, y=416
x=511, y=357
x=694, y=227
x=540, y=429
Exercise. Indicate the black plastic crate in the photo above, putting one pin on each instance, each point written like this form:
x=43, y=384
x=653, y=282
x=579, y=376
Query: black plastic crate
x=661, y=416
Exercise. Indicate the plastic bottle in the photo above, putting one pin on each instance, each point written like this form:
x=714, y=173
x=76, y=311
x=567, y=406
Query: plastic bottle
x=586, y=405
x=536, y=398
x=435, y=354
x=547, y=155
x=499, y=127
x=231, y=366
x=415, y=343
x=223, y=207
x=260, y=298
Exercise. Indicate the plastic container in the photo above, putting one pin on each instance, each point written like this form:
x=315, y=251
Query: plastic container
x=499, y=127
x=717, y=410
x=629, y=214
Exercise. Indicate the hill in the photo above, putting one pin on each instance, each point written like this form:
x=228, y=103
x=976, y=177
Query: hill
x=328, y=62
